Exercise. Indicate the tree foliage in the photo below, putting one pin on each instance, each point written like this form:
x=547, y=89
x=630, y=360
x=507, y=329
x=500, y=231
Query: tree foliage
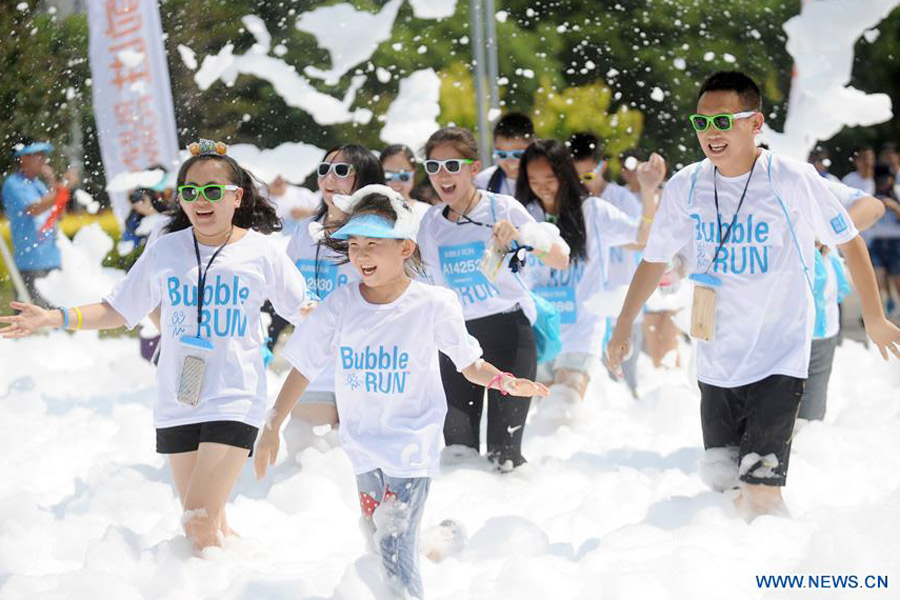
x=628, y=70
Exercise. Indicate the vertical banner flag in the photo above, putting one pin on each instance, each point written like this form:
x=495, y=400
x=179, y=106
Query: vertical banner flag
x=131, y=90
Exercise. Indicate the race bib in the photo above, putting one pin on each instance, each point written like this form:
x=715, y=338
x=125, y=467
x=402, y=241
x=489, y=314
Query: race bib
x=321, y=281
x=563, y=298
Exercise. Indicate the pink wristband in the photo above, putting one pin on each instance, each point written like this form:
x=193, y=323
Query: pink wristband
x=497, y=379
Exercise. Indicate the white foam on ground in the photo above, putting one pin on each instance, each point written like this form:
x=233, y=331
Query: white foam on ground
x=610, y=506
x=81, y=279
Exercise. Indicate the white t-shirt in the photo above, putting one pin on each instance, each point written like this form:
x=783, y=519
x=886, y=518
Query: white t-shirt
x=623, y=262
x=294, y=196
x=855, y=180
x=764, y=308
x=581, y=326
x=323, y=275
x=507, y=185
x=157, y=228
x=419, y=208
x=452, y=252
x=832, y=313
x=243, y=276
x=847, y=196
x=390, y=397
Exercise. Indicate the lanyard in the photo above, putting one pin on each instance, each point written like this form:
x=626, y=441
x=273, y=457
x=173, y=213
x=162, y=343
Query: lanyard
x=463, y=217
x=201, y=273
x=724, y=238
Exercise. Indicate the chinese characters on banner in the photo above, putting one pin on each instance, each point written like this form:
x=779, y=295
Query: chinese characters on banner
x=131, y=90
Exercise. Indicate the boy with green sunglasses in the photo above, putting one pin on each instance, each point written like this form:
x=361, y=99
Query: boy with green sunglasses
x=747, y=222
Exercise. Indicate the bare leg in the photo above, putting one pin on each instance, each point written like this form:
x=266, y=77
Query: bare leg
x=668, y=336
x=316, y=413
x=652, y=333
x=577, y=380
x=758, y=500
x=215, y=473
x=299, y=434
x=182, y=465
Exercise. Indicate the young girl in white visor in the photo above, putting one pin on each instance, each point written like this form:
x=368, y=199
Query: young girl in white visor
x=382, y=337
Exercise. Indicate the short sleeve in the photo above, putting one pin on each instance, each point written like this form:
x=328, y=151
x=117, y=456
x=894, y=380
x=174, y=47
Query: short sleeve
x=427, y=248
x=139, y=292
x=845, y=194
x=672, y=228
x=450, y=333
x=15, y=196
x=310, y=348
x=617, y=227
x=287, y=288
x=518, y=214
x=818, y=205
x=484, y=177
x=293, y=247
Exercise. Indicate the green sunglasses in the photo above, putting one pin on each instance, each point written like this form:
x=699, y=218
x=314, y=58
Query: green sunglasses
x=212, y=192
x=722, y=122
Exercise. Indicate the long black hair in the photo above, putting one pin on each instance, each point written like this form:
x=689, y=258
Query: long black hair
x=255, y=211
x=366, y=165
x=569, y=197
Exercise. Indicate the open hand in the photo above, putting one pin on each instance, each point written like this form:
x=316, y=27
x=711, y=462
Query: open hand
x=886, y=337
x=30, y=319
x=524, y=388
x=266, y=451
x=617, y=351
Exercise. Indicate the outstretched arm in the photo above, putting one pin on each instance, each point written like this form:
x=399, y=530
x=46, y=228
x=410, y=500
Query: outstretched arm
x=484, y=373
x=32, y=318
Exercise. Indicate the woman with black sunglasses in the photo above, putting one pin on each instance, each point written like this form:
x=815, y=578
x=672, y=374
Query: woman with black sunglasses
x=453, y=237
x=344, y=170
x=399, y=164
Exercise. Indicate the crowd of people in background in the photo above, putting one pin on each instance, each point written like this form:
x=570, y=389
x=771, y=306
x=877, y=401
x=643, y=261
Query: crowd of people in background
x=426, y=289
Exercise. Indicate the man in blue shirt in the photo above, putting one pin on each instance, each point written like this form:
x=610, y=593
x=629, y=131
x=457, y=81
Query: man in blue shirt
x=28, y=197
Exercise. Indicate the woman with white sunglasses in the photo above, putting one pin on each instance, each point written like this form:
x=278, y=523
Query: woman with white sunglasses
x=453, y=237
x=344, y=170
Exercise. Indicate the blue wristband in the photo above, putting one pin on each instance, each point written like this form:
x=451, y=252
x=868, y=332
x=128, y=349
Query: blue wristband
x=65, y=316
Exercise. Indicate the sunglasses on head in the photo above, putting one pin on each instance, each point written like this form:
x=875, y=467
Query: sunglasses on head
x=451, y=165
x=340, y=169
x=722, y=122
x=509, y=154
x=212, y=192
x=403, y=176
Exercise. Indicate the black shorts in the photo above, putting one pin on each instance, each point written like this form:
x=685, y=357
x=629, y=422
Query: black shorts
x=757, y=418
x=187, y=438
